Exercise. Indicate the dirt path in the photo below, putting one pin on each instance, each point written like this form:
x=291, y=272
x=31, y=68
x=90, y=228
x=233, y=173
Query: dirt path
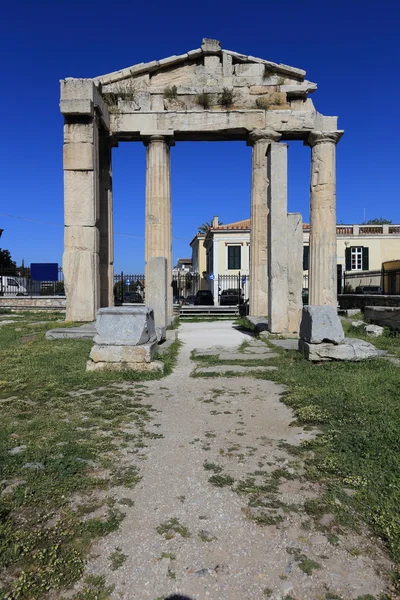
x=244, y=534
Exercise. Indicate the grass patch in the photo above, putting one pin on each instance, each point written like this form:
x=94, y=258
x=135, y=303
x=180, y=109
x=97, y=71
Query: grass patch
x=117, y=559
x=356, y=406
x=60, y=439
x=221, y=480
x=169, y=528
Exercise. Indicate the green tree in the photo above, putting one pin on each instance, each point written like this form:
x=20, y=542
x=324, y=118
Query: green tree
x=205, y=227
x=6, y=262
x=378, y=221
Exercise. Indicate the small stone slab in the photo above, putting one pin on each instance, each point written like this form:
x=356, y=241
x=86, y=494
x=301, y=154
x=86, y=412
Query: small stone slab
x=83, y=332
x=351, y=349
x=321, y=324
x=233, y=369
x=242, y=356
x=288, y=344
x=123, y=354
x=256, y=350
x=374, y=330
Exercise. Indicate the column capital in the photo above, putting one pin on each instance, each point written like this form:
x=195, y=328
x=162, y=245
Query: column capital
x=158, y=136
x=321, y=137
x=267, y=135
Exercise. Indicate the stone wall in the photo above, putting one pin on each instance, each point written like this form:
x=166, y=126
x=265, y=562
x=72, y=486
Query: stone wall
x=33, y=302
x=362, y=300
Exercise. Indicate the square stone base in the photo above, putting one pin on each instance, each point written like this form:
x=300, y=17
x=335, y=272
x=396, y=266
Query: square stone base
x=123, y=354
x=153, y=367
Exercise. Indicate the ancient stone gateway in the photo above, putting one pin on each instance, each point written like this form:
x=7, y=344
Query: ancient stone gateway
x=208, y=94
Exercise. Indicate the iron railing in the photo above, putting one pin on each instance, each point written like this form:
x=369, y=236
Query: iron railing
x=18, y=282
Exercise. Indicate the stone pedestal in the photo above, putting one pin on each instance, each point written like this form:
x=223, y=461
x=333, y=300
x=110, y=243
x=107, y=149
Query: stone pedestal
x=158, y=208
x=277, y=238
x=322, y=268
x=125, y=339
x=258, y=293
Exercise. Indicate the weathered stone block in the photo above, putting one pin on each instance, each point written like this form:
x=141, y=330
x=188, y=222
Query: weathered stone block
x=321, y=324
x=386, y=316
x=249, y=69
x=80, y=207
x=127, y=354
x=351, y=349
x=125, y=326
x=76, y=107
x=75, y=133
x=154, y=367
x=82, y=286
x=81, y=238
x=78, y=157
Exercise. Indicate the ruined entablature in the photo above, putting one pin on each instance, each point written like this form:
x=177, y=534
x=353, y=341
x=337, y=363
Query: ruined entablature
x=202, y=94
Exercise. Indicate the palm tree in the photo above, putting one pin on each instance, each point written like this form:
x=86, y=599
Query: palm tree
x=205, y=227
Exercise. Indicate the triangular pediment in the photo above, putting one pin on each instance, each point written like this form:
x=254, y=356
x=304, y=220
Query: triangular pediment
x=207, y=77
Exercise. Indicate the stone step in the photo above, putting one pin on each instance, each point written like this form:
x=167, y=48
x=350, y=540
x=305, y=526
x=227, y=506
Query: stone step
x=221, y=369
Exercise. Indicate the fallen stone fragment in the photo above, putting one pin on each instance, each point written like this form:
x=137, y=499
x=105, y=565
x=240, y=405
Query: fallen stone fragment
x=374, y=330
x=16, y=450
x=321, y=324
x=351, y=349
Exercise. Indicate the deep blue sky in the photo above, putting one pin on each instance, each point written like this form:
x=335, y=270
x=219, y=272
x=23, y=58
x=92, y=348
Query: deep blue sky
x=350, y=48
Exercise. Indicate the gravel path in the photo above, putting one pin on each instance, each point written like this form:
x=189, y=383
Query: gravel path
x=203, y=539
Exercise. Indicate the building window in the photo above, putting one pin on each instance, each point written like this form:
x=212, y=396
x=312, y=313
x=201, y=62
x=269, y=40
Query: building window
x=234, y=253
x=306, y=257
x=357, y=258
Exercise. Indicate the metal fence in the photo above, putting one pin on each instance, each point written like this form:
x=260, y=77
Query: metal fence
x=18, y=282
x=383, y=281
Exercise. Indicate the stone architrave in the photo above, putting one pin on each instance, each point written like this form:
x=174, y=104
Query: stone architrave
x=156, y=293
x=259, y=140
x=322, y=268
x=294, y=270
x=277, y=238
x=158, y=209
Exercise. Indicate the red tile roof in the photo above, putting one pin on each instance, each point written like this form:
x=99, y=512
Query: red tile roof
x=244, y=224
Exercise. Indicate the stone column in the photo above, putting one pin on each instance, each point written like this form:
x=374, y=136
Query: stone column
x=322, y=268
x=277, y=238
x=158, y=207
x=258, y=292
x=106, y=253
x=294, y=270
x=81, y=213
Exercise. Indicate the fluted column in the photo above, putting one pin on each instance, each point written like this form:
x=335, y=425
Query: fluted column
x=158, y=206
x=105, y=224
x=258, y=292
x=323, y=260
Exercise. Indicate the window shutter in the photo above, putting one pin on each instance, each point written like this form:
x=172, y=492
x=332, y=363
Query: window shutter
x=365, y=258
x=348, y=259
x=306, y=257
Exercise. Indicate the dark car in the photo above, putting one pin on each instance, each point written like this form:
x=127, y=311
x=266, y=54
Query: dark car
x=231, y=297
x=369, y=289
x=204, y=298
x=190, y=300
x=132, y=298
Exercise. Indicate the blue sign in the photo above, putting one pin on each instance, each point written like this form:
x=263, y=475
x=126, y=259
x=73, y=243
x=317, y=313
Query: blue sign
x=128, y=282
x=211, y=277
x=243, y=280
x=44, y=271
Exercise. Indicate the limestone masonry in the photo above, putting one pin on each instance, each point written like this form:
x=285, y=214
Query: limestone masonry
x=206, y=94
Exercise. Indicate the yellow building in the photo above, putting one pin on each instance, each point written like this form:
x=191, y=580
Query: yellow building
x=225, y=250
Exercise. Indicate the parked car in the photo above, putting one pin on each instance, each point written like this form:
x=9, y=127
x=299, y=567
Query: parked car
x=132, y=298
x=231, y=297
x=369, y=289
x=178, y=300
x=204, y=298
x=190, y=300
x=9, y=286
